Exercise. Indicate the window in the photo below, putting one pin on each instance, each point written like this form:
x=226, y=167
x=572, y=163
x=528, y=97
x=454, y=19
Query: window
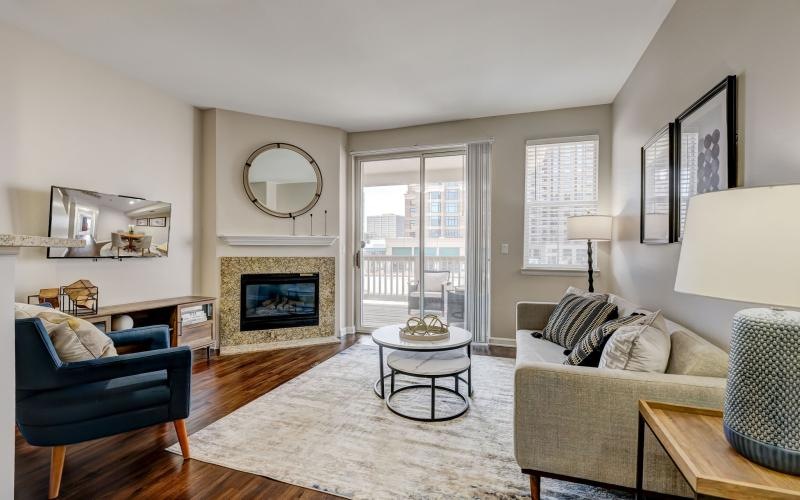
x=436, y=207
x=452, y=233
x=451, y=221
x=435, y=195
x=451, y=207
x=434, y=221
x=561, y=177
x=434, y=233
x=451, y=194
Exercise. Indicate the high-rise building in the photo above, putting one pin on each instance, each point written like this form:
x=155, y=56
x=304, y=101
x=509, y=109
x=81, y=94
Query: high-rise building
x=385, y=226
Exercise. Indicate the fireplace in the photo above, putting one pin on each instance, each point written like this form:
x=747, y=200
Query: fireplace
x=279, y=300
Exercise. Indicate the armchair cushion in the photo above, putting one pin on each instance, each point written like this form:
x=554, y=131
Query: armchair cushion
x=574, y=317
x=74, y=339
x=78, y=403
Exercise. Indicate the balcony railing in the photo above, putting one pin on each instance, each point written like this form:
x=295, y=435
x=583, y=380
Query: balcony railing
x=387, y=277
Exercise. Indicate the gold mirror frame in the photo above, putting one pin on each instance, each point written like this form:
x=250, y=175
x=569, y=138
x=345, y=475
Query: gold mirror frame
x=264, y=208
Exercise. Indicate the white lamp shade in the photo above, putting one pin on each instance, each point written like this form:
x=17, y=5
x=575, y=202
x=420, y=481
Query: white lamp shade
x=744, y=245
x=589, y=227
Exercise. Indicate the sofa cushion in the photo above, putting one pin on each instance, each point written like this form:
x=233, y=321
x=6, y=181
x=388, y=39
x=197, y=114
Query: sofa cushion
x=692, y=355
x=641, y=347
x=89, y=401
x=574, y=317
x=588, y=350
x=537, y=349
x=74, y=339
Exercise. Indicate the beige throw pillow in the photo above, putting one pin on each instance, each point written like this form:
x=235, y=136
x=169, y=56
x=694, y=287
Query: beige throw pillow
x=75, y=339
x=641, y=348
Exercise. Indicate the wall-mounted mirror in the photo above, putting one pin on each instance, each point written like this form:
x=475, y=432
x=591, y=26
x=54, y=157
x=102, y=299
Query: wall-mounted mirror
x=282, y=180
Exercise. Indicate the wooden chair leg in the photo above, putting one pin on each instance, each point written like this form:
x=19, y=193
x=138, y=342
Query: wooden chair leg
x=57, y=454
x=183, y=438
x=535, y=486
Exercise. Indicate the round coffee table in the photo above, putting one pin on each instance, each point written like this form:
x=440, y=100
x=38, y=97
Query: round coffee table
x=389, y=336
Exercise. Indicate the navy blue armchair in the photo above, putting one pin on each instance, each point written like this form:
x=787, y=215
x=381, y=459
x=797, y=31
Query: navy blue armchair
x=59, y=403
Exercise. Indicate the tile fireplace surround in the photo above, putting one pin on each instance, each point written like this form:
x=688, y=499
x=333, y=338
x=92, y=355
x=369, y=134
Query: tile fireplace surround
x=233, y=340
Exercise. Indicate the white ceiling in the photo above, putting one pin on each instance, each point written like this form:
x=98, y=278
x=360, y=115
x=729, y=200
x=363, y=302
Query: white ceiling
x=360, y=64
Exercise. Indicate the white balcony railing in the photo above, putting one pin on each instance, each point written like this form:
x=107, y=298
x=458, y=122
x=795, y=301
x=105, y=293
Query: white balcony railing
x=387, y=277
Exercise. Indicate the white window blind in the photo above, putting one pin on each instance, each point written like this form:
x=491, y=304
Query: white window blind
x=561, y=179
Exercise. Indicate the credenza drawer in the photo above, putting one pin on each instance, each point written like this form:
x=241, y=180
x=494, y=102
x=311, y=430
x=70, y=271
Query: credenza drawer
x=197, y=334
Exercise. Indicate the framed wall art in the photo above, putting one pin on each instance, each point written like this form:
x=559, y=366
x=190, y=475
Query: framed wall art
x=141, y=222
x=158, y=222
x=705, y=148
x=658, y=188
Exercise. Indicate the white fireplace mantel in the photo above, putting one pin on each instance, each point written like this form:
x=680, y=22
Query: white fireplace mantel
x=277, y=240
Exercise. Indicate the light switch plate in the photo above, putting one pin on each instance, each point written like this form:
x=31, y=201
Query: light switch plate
x=504, y=248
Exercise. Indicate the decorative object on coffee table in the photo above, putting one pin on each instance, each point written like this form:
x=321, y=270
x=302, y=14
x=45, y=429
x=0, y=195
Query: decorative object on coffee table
x=705, y=148
x=589, y=228
x=79, y=298
x=658, y=185
x=742, y=244
x=428, y=328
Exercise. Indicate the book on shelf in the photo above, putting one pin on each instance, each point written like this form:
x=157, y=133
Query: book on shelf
x=191, y=309
x=192, y=321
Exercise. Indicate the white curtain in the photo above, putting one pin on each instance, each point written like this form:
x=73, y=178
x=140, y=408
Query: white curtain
x=479, y=190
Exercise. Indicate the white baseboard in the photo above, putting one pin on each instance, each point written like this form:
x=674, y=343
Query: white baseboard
x=502, y=342
x=347, y=330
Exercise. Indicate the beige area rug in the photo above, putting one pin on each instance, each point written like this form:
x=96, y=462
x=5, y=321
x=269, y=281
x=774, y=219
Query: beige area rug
x=326, y=430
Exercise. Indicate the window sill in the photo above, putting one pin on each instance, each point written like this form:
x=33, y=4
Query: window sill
x=555, y=272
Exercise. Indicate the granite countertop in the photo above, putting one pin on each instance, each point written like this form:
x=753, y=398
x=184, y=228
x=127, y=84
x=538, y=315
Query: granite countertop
x=21, y=240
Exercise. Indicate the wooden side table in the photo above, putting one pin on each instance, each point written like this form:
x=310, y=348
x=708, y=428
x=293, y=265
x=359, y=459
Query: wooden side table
x=694, y=441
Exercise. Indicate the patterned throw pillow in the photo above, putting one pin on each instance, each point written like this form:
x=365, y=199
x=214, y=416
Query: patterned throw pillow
x=575, y=316
x=580, y=292
x=588, y=350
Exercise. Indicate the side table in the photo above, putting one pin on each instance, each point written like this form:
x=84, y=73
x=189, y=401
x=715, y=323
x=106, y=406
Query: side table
x=694, y=441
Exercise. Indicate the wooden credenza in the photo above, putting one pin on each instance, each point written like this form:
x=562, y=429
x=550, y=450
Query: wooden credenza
x=201, y=335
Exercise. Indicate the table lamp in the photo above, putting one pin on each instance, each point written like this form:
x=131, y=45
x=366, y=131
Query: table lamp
x=589, y=228
x=744, y=245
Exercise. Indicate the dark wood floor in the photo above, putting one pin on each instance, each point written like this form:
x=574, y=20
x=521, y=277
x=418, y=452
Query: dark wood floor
x=135, y=465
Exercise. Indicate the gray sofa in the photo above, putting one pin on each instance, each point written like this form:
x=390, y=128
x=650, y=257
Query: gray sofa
x=580, y=423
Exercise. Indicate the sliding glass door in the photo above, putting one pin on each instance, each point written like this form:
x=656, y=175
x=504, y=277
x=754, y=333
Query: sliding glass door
x=411, y=228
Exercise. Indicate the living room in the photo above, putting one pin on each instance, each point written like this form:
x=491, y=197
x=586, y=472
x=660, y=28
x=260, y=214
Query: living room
x=294, y=249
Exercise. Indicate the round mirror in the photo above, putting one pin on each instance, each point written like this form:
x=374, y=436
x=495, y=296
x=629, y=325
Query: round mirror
x=282, y=180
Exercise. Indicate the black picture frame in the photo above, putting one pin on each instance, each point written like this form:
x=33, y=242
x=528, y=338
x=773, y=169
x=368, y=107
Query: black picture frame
x=713, y=168
x=655, y=145
x=158, y=222
x=142, y=222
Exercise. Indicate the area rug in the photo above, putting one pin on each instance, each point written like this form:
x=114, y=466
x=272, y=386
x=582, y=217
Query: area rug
x=326, y=430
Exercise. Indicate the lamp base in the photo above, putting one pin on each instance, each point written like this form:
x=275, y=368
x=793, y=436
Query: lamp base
x=762, y=398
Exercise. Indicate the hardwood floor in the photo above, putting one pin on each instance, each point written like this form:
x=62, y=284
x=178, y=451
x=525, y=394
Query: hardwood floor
x=135, y=464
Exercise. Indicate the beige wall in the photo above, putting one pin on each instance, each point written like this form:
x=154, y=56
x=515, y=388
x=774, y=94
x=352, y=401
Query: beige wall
x=699, y=43
x=508, y=174
x=70, y=122
x=228, y=139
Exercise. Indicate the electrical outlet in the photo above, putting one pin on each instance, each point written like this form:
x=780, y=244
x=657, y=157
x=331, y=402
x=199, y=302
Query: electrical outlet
x=504, y=248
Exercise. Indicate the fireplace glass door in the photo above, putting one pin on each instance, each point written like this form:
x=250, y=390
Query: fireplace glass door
x=279, y=300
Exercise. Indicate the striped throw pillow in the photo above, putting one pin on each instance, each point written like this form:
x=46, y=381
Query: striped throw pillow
x=589, y=348
x=574, y=317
